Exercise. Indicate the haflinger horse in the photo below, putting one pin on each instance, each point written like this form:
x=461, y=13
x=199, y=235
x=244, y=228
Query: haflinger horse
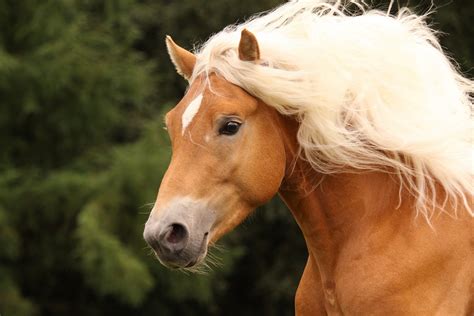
x=363, y=127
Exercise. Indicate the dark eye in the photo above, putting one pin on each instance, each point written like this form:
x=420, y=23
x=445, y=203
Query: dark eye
x=229, y=128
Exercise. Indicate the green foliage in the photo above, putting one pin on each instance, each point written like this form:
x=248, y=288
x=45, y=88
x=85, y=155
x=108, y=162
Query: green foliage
x=13, y=303
x=9, y=238
x=62, y=62
x=83, y=88
x=108, y=266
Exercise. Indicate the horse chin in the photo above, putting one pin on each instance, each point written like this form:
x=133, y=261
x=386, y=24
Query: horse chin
x=194, y=263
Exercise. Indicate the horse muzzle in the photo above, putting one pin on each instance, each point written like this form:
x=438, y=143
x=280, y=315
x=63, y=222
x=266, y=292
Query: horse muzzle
x=179, y=233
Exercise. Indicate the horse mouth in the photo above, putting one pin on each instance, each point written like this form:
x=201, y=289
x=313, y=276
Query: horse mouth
x=176, y=264
x=191, y=264
x=187, y=258
x=173, y=265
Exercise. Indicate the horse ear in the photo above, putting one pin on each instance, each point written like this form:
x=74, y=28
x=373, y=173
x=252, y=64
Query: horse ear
x=182, y=59
x=248, y=46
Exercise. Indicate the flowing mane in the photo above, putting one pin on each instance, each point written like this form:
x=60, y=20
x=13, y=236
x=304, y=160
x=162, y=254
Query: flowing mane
x=371, y=91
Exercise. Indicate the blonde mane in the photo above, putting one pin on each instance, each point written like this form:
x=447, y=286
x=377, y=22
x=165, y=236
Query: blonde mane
x=371, y=91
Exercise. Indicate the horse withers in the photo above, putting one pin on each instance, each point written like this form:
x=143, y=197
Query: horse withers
x=380, y=187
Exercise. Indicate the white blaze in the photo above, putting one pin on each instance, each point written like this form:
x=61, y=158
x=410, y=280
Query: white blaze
x=190, y=112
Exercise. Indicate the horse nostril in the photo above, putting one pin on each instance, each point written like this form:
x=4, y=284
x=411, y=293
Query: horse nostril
x=176, y=234
x=173, y=238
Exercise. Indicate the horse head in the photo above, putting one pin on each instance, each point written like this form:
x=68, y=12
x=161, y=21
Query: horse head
x=228, y=158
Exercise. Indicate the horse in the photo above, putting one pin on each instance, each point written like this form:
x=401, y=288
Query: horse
x=360, y=123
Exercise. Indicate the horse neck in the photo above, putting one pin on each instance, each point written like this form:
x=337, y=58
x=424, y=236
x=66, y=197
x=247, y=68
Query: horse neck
x=332, y=209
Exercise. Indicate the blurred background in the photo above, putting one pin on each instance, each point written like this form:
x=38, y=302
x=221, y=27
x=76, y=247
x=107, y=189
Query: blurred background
x=84, y=85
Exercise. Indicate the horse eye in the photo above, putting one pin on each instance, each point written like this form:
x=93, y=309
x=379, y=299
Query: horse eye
x=229, y=128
